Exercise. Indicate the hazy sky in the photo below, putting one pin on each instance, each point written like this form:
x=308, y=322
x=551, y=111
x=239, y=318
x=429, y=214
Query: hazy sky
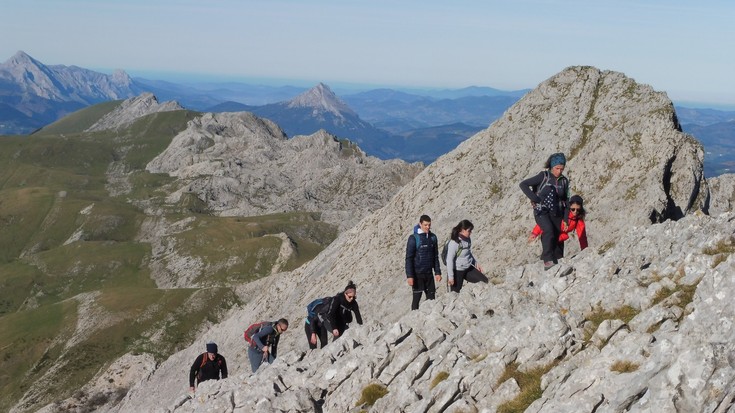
x=684, y=48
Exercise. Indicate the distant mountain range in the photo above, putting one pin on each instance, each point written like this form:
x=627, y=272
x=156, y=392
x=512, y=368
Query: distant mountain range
x=411, y=124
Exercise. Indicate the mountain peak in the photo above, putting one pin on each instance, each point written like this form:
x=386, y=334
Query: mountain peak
x=21, y=58
x=321, y=98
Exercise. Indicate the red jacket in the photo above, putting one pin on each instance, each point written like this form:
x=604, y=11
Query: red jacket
x=575, y=224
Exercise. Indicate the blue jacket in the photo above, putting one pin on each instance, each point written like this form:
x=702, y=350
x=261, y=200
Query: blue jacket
x=424, y=257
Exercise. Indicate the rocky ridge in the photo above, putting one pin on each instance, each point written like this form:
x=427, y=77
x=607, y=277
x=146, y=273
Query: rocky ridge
x=240, y=164
x=64, y=83
x=132, y=109
x=658, y=286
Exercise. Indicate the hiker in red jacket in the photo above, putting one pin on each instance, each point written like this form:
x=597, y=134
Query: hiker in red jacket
x=576, y=224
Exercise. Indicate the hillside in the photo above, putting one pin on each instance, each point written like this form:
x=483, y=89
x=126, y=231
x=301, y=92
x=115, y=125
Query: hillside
x=637, y=322
x=103, y=257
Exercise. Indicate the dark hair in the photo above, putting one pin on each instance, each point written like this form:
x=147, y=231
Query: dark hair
x=350, y=285
x=463, y=224
x=283, y=322
x=424, y=218
x=576, y=199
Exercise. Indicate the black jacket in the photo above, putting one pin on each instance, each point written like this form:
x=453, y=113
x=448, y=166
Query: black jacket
x=333, y=313
x=424, y=257
x=552, y=197
x=212, y=369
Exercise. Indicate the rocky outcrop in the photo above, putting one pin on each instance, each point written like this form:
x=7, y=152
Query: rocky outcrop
x=239, y=164
x=642, y=328
x=131, y=110
x=722, y=193
x=637, y=322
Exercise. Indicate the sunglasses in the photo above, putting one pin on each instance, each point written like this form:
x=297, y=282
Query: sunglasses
x=350, y=296
x=575, y=209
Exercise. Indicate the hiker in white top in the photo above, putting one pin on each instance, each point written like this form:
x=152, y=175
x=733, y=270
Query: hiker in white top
x=459, y=255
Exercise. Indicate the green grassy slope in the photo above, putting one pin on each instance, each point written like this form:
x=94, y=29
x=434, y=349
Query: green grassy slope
x=65, y=242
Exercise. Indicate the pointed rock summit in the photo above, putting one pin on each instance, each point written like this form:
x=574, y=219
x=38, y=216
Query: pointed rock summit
x=321, y=98
x=131, y=109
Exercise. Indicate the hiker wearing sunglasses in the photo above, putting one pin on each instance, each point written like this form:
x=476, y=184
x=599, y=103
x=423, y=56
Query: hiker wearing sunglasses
x=576, y=224
x=331, y=314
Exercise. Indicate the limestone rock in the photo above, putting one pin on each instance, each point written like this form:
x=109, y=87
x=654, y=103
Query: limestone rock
x=656, y=264
x=131, y=110
x=240, y=164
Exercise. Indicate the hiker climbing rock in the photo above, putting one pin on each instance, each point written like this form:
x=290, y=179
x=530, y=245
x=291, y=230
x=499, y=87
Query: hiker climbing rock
x=576, y=224
x=331, y=315
x=459, y=259
x=207, y=366
x=422, y=262
x=263, y=340
x=548, y=192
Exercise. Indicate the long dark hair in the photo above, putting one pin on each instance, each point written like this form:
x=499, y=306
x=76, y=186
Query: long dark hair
x=463, y=224
x=576, y=199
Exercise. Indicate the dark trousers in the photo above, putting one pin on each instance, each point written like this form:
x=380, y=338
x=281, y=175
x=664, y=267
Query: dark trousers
x=551, y=248
x=422, y=283
x=459, y=276
x=321, y=333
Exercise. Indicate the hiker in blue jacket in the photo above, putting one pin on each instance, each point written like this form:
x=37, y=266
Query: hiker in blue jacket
x=332, y=314
x=422, y=262
x=264, y=347
x=549, y=193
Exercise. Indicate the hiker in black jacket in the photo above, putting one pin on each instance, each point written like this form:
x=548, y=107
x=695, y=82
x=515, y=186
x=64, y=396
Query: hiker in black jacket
x=422, y=258
x=549, y=195
x=264, y=347
x=332, y=314
x=208, y=366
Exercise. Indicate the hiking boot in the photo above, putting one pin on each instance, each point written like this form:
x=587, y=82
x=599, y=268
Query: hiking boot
x=548, y=265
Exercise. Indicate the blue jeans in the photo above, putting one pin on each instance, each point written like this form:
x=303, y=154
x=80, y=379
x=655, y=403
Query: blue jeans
x=256, y=358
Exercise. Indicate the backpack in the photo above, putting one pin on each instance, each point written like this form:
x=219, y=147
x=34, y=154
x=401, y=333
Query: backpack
x=547, y=182
x=311, y=308
x=254, y=329
x=445, y=251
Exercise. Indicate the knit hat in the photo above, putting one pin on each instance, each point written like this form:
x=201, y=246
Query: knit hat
x=576, y=199
x=557, y=159
x=211, y=347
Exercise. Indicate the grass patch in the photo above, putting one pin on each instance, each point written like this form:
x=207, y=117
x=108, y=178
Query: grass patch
x=529, y=383
x=621, y=366
x=31, y=342
x=598, y=315
x=440, y=377
x=721, y=250
x=371, y=393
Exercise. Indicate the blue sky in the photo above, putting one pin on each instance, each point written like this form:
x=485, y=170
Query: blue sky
x=684, y=48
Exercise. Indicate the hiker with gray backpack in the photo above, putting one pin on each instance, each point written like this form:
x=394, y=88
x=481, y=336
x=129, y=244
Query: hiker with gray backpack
x=331, y=315
x=457, y=255
x=549, y=194
x=263, y=340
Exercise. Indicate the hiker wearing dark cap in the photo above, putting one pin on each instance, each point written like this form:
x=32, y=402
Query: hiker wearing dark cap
x=263, y=343
x=576, y=224
x=331, y=315
x=208, y=366
x=549, y=192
